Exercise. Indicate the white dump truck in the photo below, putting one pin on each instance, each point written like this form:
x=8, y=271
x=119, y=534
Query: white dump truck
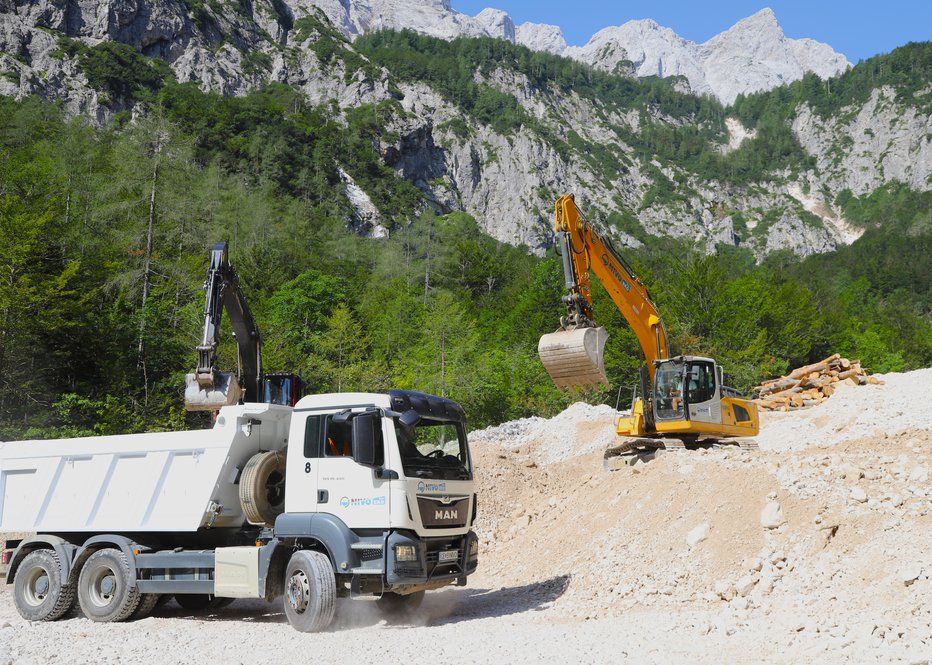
x=341, y=495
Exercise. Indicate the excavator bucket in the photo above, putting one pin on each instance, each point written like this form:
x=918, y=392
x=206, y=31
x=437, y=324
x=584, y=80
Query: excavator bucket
x=574, y=357
x=210, y=392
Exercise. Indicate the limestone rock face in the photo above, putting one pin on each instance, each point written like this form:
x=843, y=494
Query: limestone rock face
x=751, y=56
x=541, y=37
x=862, y=148
x=496, y=23
x=507, y=181
x=652, y=49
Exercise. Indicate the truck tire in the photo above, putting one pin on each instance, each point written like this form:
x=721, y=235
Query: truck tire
x=147, y=603
x=262, y=488
x=105, y=587
x=399, y=606
x=38, y=591
x=310, y=591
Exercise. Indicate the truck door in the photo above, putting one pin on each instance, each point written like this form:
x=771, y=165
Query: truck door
x=702, y=393
x=301, y=495
x=349, y=490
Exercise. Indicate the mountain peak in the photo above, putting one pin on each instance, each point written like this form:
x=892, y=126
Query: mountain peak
x=762, y=26
x=753, y=54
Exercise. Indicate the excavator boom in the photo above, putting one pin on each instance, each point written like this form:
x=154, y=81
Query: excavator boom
x=573, y=355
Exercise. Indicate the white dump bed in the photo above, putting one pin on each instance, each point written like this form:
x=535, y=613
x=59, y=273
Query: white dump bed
x=170, y=481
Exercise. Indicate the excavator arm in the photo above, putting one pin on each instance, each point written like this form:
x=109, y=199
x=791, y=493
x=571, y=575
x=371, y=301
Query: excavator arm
x=208, y=388
x=573, y=354
x=584, y=251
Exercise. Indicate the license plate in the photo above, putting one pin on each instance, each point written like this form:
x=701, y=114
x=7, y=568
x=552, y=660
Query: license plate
x=448, y=555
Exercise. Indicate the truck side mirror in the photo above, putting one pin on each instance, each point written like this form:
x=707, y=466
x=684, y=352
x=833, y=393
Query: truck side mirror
x=409, y=418
x=367, y=439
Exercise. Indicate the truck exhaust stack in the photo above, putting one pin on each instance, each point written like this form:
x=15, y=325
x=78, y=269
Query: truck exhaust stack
x=575, y=357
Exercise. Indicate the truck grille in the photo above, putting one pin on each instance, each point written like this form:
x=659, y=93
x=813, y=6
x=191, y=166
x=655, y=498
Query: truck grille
x=435, y=514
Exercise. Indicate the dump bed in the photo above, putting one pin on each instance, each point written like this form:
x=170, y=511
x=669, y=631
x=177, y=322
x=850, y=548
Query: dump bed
x=169, y=481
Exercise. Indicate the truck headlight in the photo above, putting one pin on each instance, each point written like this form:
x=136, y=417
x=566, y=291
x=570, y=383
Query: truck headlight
x=405, y=553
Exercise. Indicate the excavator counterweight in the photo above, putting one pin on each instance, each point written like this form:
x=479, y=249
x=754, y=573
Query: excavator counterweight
x=574, y=358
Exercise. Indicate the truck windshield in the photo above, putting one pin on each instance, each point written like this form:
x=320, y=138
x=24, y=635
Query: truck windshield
x=434, y=449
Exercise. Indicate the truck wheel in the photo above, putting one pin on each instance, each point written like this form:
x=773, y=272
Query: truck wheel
x=147, y=603
x=262, y=487
x=38, y=590
x=399, y=605
x=310, y=591
x=105, y=590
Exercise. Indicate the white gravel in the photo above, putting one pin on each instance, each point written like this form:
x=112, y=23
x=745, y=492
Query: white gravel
x=459, y=626
x=854, y=412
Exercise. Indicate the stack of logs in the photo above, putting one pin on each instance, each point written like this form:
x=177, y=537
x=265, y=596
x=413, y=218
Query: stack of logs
x=808, y=386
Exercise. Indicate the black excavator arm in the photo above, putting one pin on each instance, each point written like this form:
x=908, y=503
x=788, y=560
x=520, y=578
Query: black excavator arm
x=209, y=388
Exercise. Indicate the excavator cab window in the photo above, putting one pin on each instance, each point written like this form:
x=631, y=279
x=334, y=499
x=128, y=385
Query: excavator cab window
x=668, y=391
x=284, y=389
x=700, y=382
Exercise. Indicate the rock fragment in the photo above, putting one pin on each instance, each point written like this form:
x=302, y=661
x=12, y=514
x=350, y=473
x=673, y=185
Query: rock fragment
x=771, y=516
x=698, y=534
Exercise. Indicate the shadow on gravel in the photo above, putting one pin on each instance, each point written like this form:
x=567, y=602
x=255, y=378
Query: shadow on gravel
x=251, y=611
x=488, y=603
x=439, y=607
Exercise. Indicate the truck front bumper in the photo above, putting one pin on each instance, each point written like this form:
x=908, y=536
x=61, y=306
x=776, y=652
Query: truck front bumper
x=410, y=559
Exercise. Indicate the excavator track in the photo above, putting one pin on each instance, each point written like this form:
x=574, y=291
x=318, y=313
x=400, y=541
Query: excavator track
x=641, y=449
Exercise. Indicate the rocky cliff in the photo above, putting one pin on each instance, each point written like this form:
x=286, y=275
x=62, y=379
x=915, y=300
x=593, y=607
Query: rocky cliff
x=507, y=179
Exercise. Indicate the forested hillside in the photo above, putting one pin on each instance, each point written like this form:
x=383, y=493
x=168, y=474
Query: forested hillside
x=97, y=331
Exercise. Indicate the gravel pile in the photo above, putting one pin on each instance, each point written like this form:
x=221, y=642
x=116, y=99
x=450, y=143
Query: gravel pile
x=854, y=412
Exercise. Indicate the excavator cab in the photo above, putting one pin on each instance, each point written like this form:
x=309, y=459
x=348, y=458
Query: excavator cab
x=687, y=388
x=668, y=391
x=284, y=389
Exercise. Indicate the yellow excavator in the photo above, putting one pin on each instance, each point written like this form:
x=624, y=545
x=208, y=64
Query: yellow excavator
x=682, y=399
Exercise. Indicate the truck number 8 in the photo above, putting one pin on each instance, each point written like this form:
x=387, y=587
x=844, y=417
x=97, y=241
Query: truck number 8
x=307, y=468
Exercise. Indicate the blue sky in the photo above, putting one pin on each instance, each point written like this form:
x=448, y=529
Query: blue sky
x=856, y=28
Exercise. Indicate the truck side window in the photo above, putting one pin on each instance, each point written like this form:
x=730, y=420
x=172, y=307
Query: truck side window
x=339, y=439
x=312, y=436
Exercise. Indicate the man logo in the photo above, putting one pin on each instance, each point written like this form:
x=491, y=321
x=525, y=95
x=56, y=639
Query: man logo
x=446, y=499
x=446, y=514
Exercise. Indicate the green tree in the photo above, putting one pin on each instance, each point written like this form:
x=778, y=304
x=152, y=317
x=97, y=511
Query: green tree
x=342, y=348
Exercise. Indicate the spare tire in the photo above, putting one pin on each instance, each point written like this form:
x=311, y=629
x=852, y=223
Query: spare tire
x=262, y=487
